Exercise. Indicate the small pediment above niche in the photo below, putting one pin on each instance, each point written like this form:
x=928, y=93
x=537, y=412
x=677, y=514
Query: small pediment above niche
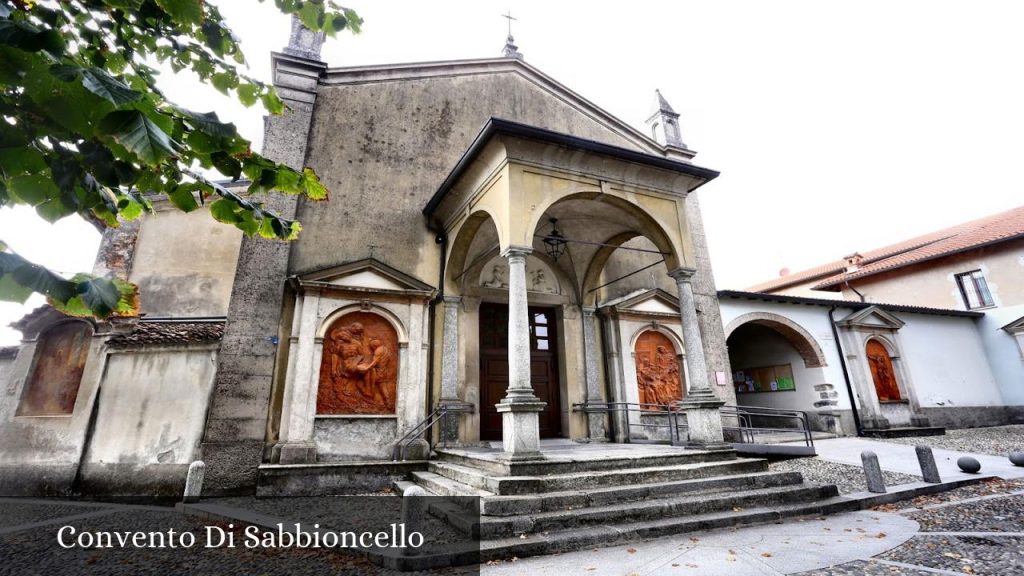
x=872, y=317
x=368, y=274
x=539, y=277
x=647, y=301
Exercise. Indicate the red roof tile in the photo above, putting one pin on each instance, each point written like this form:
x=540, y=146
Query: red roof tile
x=165, y=333
x=990, y=229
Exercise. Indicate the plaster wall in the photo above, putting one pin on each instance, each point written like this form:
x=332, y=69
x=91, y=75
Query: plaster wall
x=149, y=421
x=1005, y=352
x=947, y=361
x=185, y=264
x=933, y=283
x=39, y=455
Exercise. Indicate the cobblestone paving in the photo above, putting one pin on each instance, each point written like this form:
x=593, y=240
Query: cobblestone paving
x=847, y=478
x=976, y=529
x=994, y=440
x=15, y=513
x=35, y=551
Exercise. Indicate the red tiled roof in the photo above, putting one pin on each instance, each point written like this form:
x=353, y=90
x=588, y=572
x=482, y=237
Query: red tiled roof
x=990, y=229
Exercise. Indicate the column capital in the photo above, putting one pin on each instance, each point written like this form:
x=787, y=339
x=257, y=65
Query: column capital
x=514, y=251
x=683, y=274
x=452, y=300
x=588, y=310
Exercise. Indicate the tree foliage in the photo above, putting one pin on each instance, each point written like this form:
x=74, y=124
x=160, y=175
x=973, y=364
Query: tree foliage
x=85, y=129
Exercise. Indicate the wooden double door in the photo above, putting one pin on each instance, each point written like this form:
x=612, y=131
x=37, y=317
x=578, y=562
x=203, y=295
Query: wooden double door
x=494, y=367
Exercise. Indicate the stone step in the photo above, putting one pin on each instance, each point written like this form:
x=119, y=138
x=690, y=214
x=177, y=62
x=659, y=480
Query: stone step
x=443, y=486
x=493, y=465
x=576, y=499
x=518, y=485
x=619, y=533
x=491, y=527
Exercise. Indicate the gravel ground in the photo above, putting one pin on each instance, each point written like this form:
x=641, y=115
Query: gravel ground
x=996, y=440
x=866, y=568
x=1004, y=514
x=987, y=487
x=847, y=478
x=14, y=513
x=35, y=551
x=995, y=555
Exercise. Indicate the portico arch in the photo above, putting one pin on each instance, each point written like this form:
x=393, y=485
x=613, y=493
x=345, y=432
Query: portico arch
x=801, y=340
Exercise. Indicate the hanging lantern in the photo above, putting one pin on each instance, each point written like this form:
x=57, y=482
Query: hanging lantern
x=554, y=242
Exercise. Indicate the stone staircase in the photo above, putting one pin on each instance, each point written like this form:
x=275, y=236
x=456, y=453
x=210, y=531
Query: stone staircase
x=596, y=495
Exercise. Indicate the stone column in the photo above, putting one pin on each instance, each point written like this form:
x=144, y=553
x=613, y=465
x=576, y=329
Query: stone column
x=519, y=407
x=450, y=372
x=701, y=404
x=296, y=444
x=594, y=407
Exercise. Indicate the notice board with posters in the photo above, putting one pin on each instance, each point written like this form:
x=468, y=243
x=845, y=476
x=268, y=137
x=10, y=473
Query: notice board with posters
x=764, y=379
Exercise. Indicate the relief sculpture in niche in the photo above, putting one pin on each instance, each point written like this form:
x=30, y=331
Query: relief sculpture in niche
x=538, y=276
x=359, y=371
x=657, y=369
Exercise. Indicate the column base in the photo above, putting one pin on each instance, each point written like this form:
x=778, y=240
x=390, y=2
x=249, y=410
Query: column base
x=449, y=428
x=293, y=453
x=597, y=429
x=520, y=428
x=704, y=421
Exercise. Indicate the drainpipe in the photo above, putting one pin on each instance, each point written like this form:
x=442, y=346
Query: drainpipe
x=846, y=373
x=859, y=295
x=442, y=240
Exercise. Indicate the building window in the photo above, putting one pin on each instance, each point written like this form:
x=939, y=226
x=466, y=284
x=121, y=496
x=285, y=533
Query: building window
x=974, y=289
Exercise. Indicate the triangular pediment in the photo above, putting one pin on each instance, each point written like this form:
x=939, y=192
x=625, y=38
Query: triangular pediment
x=650, y=301
x=1015, y=327
x=872, y=317
x=366, y=274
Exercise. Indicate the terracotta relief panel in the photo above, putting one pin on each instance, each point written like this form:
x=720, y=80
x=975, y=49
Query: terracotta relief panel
x=52, y=385
x=657, y=369
x=882, y=372
x=359, y=371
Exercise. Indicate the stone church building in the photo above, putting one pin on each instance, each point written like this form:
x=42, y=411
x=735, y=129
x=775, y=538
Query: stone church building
x=495, y=245
x=500, y=262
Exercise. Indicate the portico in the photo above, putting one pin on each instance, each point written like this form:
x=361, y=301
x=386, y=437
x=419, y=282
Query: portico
x=617, y=208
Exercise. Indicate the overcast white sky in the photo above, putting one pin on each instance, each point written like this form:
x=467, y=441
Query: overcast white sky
x=837, y=127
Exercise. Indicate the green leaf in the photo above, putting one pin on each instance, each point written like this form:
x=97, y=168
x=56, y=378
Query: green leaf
x=312, y=15
x=209, y=123
x=107, y=87
x=185, y=11
x=314, y=189
x=224, y=81
x=227, y=165
x=100, y=295
x=136, y=132
x=32, y=189
x=248, y=94
x=272, y=103
x=183, y=199
x=223, y=210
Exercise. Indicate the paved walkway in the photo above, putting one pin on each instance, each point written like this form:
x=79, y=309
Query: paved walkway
x=789, y=547
x=902, y=458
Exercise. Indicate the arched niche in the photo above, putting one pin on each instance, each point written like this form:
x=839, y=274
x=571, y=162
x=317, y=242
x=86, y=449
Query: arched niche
x=359, y=366
x=659, y=377
x=51, y=387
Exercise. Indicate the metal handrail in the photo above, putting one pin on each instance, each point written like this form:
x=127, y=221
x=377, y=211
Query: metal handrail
x=440, y=414
x=672, y=410
x=748, y=431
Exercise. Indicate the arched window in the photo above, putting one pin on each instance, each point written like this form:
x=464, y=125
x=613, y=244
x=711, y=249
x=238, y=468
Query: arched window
x=882, y=372
x=658, y=375
x=359, y=370
x=52, y=384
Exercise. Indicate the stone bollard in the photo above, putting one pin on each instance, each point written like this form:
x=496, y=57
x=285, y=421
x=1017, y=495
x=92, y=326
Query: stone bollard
x=414, y=513
x=194, y=482
x=929, y=471
x=872, y=472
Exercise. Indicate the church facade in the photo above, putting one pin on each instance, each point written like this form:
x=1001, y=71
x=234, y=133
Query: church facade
x=496, y=248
